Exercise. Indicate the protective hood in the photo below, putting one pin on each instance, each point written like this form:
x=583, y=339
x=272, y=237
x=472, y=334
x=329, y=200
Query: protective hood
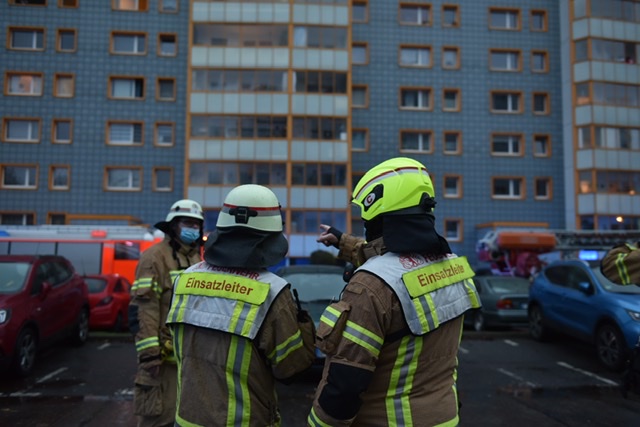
x=408, y=233
x=245, y=248
x=164, y=226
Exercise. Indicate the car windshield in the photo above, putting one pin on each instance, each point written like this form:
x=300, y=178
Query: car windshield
x=95, y=284
x=316, y=286
x=503, y=285
x=12, y=276
x=613, y=287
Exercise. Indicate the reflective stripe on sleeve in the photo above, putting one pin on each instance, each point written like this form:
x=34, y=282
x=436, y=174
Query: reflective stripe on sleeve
x=239, y=407
x=283, y=350
x=622, y=269
x=147, y=343
x=314, y=421
x=363, y=337
x=401, y=382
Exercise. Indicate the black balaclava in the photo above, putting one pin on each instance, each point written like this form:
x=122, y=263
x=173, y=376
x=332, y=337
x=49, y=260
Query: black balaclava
x=240, y=247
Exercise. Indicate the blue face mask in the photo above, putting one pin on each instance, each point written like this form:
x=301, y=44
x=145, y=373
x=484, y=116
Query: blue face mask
x=189, y=235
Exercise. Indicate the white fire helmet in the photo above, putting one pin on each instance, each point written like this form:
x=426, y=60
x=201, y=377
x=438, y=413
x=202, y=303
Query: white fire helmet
x=251, y=206
x=185, y=207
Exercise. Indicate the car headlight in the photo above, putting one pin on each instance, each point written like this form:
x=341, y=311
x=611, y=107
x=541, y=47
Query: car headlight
x=4, y=315
x=635, y=315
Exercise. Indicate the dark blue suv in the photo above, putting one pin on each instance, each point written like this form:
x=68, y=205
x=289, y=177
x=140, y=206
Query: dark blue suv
x=574, y=298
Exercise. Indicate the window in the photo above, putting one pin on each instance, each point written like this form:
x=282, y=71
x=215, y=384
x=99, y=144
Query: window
x=168, y=6
x=415, y=56
x=541, y=103
x=165, y=135
x=68, y=3
x=452, y=186
x=66, y=41
x=450, y=57
x=359, y=53
x=452, y=142
x=415, y=98
x=415, y=14
x=506, y=144
x=28, y=2
x=126, y=87
x=539, y=61
x=506, y=102
x=59, y=177
x=128, y=43
x=56, y=218
x=538, y=20
x=453, y=230
x=166, y=89
x=23, y=84
x=416, y=141
x=20, y=177
x=125, y=133
x=162, y=179
x=359, y=139
x=360, y=96
x=542, y=188
x=62, y=131
x=63, y=85
x=450, y=16
x=167, y=45
x=507, y=188
x=123, y=179
x=360, y=11
x=504, y=19
x=505, y=60
x=541, y=145
x=130, y=5
x=451, y=100
x=21, y=130
x=26, y=38
x=17, y=218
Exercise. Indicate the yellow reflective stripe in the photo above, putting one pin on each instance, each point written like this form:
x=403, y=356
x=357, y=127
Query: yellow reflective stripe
x=437, y=275
x=330, y=316
x=622, y=269
x=283, y=350
x=237, y=373
x=178, y=305
x=363, y=337
x=223, y=286
x=401, y=381
x=174, y=273
x=235, y=317
x=253, y=312
x=145, y=282
x=314, y=421
x=472, y=292
x=184, y=423
x=451, y=423
x=147, y=343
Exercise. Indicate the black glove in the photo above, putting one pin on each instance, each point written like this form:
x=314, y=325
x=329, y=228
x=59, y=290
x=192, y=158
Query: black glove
x=336, y=233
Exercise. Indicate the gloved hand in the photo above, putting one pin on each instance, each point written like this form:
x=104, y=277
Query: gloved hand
x=330, y=236
x=151, y=365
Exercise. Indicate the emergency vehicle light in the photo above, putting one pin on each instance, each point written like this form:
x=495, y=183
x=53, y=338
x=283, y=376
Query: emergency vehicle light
x=99, y=234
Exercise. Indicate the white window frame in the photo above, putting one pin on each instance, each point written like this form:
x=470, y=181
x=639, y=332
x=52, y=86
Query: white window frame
x=132, y=179
x=513, y=144
x=34, y=32
x=27, y=174
x=422, y=14
x=415, y=56
x=512, y=62
x=126, y=85
x=424, y=140
x=126, y=132
x=513, y=100
x=422, y=98
x=32, y=130
x=34, y=82
x=510, y=18
x=138, y=43
x=515, y=188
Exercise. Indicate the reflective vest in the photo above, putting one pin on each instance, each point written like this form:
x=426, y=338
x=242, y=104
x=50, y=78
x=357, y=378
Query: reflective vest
x=431, y=291
x=225, y=299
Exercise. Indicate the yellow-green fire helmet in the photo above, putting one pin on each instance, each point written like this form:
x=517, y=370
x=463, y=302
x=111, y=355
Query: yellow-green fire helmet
x=391, y=186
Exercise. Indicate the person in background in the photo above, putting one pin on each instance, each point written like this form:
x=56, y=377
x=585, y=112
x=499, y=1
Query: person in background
x=392, y=340
x=156, y=378
x=621, y=264
x=236, y=327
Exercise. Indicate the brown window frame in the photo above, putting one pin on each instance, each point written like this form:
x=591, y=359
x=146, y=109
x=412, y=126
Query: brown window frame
x=10, y=34
x=175, y=89
x=57, y=77
x=365, y=87
x=5, y=124
x=458, y=93
x=456, y=8
x=458, y=57
x=54, y=124
x=366, y=139
x=154, y=180
x=458, y=179
x=59, y=32
x=429, y=132
x=52, y=187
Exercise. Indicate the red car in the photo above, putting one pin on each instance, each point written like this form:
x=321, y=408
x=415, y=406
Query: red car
x=42, y=299
x=109, y=300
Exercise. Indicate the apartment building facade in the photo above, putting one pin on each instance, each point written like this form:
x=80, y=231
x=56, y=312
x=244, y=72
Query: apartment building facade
x=112, y=110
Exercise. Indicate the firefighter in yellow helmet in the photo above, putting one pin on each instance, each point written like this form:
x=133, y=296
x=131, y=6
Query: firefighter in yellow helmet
x=156, y=379
x=392, y=339
x=236, y=327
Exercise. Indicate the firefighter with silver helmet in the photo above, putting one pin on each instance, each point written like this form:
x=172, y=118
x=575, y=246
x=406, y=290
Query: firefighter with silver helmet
x=235, y=325
x=156, y=378
x=392, y=339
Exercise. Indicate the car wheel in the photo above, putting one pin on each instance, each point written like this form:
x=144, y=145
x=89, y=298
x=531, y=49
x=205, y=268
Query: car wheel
x=537, y=330
x=81, y=330
x=119, y=323
x=478, y=321
x=611, y=347
x=24, y=356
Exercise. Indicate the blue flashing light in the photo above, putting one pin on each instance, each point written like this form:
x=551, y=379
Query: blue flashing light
x=589, y=255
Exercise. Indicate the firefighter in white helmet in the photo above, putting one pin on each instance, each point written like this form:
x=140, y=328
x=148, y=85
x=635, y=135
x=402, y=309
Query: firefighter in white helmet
x=236, y=327
x=392, y=339
x=156, y=379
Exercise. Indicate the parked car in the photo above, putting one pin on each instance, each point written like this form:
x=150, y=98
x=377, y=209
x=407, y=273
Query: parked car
x=574, y=298
x=109, y=296
x=504, y=302
x=42, y=301
x=316, y=286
